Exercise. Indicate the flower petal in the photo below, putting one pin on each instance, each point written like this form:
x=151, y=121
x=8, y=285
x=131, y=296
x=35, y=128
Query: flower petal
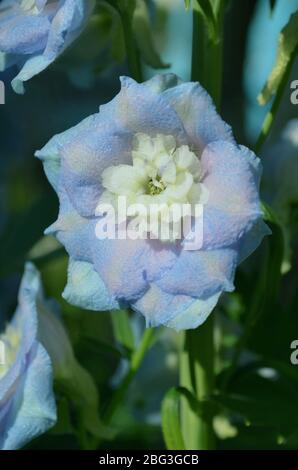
x=175, y=311
x=206, y=272
x=86, y=289
x=35, y=410
x=231, y=175
x=197, y=112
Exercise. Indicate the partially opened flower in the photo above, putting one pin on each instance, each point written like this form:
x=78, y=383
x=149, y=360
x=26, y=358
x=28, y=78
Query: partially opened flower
x=33, y=33
x=27, y=405
x=162, y=144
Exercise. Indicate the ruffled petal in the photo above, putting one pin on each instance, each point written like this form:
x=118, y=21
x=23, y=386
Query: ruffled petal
x=231, y=175
x=206, y=272
x=139, y=110
x=128, y=266
x=86, y=289
x=196, y=110
x=175, y=311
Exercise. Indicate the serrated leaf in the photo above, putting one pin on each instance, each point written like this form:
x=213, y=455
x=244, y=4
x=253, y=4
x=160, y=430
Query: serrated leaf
x=286, y=51
x=144, y=36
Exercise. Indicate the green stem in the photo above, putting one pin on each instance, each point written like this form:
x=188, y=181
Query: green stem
x=206, y=65
x=197, y=355
x=135, y=363
x=132, y=52
x=197, y=375
x=271, y=115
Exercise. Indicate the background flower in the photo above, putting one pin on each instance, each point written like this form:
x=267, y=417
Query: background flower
x=27, y=405
x=165, y=282
x=33, y=33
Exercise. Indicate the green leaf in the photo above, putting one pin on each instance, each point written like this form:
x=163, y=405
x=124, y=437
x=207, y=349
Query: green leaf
x=263, y=401
x=122, y=329
x=187, y=4
x=116, y=36
x=286, y=52
x=80, y=390
x=170, y=415
x=204, y=7
x=64, y=424
x=143, y=32
x=275, y=256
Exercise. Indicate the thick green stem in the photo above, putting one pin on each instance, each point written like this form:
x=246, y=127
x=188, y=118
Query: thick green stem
x=207, y=55
x=197, y=375
x=132, y=52
x=135, y=363
x=197, y=353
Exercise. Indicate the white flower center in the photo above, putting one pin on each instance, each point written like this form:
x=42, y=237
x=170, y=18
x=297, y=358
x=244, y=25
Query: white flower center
x=9, y=345
x=29, y=6
x=161, y=174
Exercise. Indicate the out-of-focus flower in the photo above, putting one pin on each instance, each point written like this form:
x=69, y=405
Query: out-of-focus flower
x=280, y=186
x=281, y=171
x=27, y=405
x=33, y=33
x=161, y=141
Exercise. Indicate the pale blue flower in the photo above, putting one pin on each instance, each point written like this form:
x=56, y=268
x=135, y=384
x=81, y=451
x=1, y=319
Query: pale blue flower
x=171, y=128
x=33, y=33
x=27, y=405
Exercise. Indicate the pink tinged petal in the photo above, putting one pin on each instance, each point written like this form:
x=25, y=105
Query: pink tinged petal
x=175, y=311
x=201, y=273
x=197, y=112
x=233, y=204
x=128, y=266
x=93, y=147
x=72, y=230
x=137, y=109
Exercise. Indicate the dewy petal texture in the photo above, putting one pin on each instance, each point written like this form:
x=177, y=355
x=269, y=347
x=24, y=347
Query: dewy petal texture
x=27, y=405
x=34, y=33
x=161, y=142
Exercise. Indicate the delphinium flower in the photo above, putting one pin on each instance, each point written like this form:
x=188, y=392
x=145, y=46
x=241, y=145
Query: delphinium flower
x=27, y=404
x=157, y=142
x=33, y=33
